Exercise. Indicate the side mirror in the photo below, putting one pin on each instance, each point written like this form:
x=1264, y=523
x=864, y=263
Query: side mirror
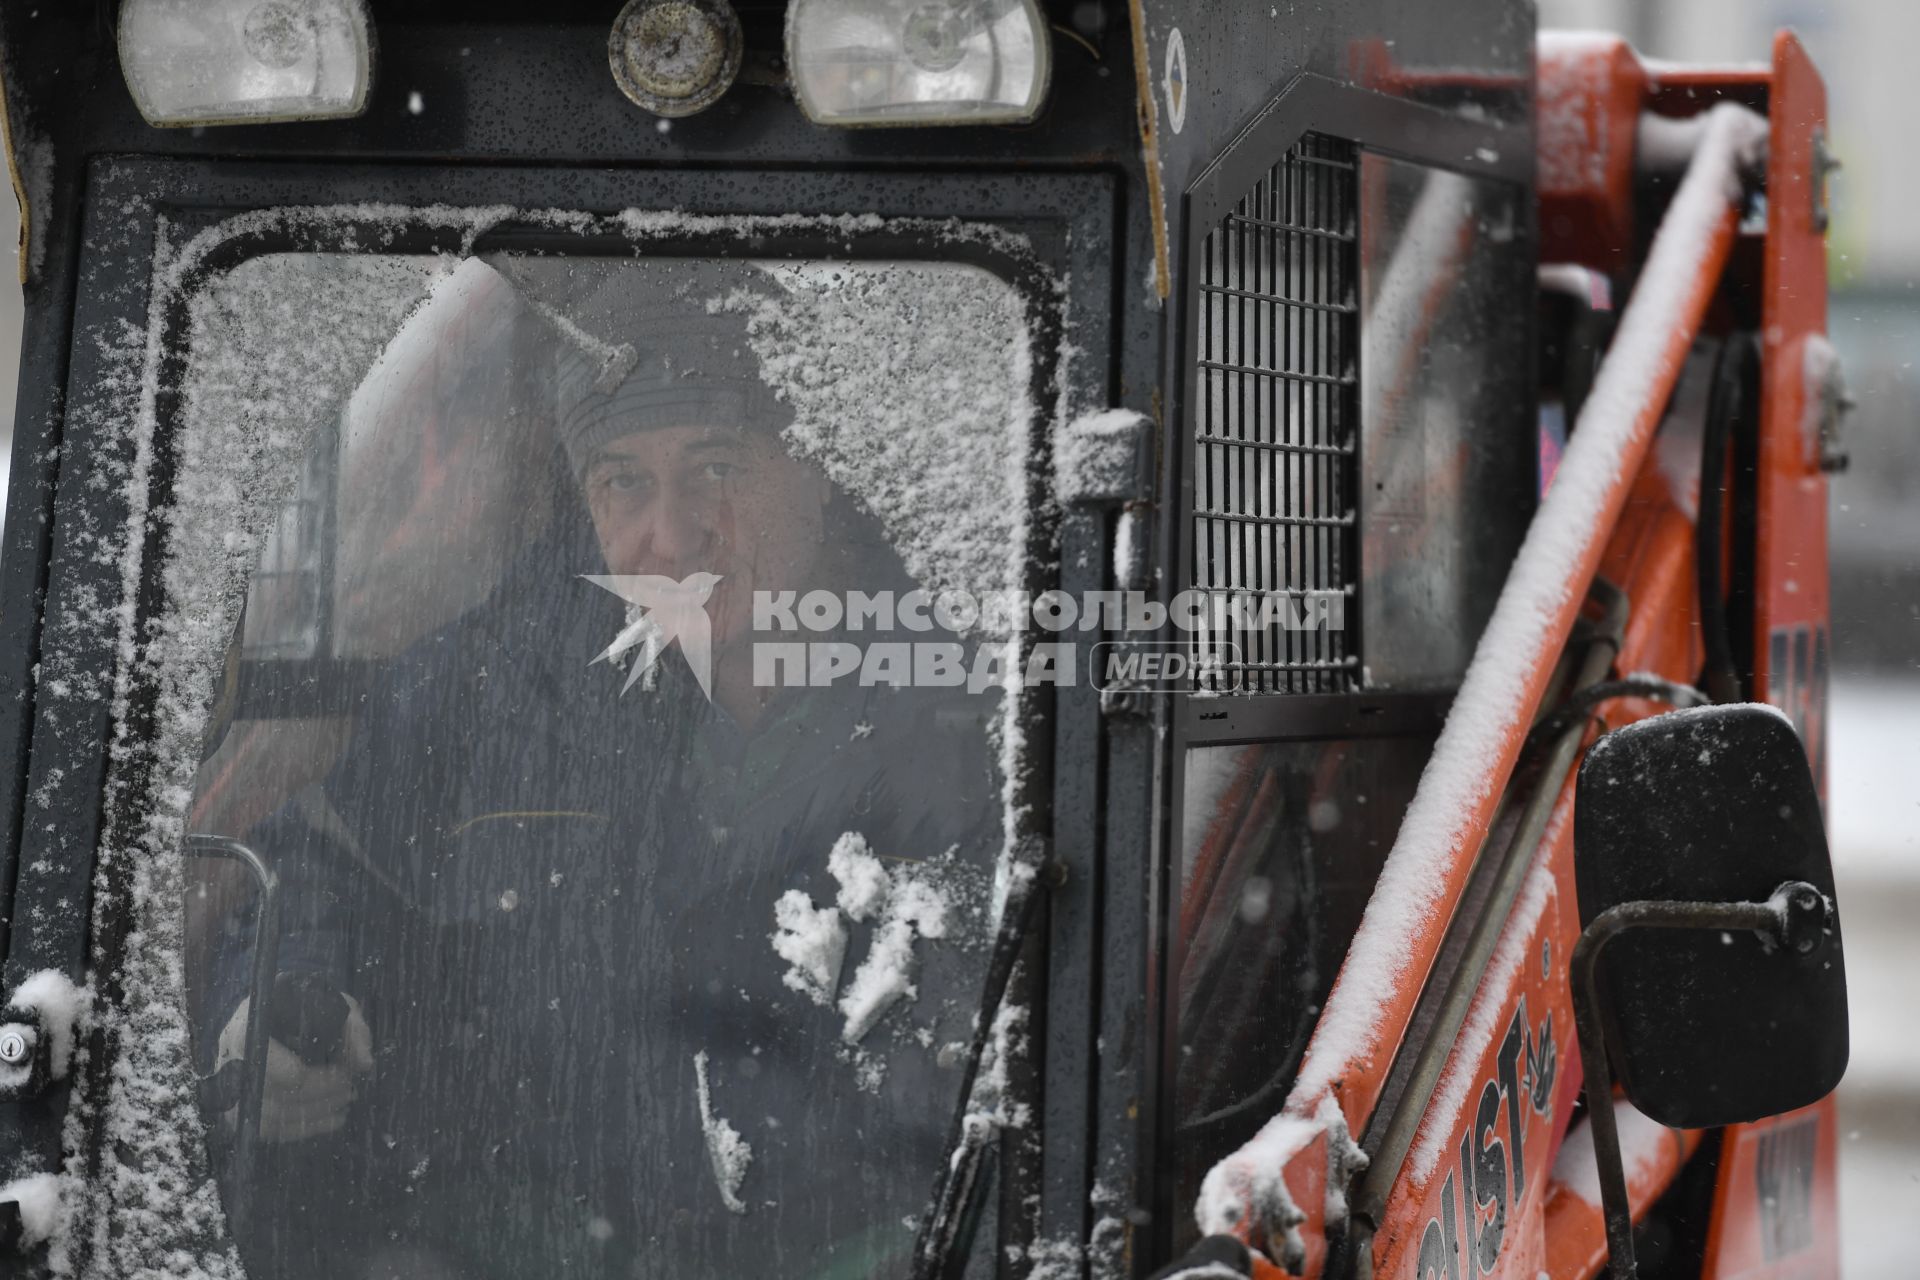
x=1701, y=865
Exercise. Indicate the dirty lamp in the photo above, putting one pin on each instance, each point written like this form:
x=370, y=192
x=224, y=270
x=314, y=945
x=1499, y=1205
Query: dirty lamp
x=918, y=62
x=191, y=62
x=675, y=57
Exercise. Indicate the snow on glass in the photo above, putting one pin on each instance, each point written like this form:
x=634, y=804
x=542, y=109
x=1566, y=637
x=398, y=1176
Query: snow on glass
x=264, y=377
x=931, y=437
x=845, y=347
x=923, y=901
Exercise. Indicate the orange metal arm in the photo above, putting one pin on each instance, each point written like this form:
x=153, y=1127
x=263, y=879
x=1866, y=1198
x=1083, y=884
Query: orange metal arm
x=1251, y=1192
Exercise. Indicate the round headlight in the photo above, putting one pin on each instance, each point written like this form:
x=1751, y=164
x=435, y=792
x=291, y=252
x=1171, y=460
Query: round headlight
x=675, y=57
x=912, y=62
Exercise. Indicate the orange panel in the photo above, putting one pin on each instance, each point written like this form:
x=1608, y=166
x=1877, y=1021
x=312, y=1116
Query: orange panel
x=1591, y=91
x=1776, y=1213
x=1790, y=639
x=1471, y=1199
x=1576, y=1229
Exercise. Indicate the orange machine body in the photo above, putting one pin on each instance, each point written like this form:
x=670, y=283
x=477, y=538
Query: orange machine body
x=1499, y=1179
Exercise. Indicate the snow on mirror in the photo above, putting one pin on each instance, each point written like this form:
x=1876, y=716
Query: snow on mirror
x=617, y=927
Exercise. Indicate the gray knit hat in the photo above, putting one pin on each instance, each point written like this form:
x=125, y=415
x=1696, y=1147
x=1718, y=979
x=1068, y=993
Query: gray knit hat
x=651, y=343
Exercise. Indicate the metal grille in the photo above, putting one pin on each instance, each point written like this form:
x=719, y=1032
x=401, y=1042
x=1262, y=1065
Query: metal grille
x=1276, y=425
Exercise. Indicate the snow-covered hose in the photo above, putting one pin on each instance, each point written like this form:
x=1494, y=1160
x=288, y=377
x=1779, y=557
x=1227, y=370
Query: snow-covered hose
x=1340, y=1080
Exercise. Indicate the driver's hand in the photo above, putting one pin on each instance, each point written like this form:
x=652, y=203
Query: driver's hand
x=303, y=1099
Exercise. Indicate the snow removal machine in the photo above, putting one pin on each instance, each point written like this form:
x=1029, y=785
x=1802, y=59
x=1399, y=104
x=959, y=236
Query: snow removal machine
x=913, y=638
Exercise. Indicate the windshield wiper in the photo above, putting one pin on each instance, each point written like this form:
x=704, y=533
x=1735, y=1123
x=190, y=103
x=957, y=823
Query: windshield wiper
x=939, y=1246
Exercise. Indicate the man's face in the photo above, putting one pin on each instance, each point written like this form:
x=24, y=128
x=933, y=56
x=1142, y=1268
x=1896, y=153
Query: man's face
x=681, y=500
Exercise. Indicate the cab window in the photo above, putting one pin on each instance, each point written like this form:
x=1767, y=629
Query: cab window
x=556, y=899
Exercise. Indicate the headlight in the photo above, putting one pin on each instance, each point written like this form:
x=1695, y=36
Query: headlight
x=675, y=57
x=246, y=61
x=918, y=62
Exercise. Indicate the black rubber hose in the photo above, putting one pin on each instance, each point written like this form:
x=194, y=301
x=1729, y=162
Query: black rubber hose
x=1728, y=406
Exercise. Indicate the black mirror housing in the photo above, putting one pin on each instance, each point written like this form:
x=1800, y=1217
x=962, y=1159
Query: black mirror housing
x=1707, y=1027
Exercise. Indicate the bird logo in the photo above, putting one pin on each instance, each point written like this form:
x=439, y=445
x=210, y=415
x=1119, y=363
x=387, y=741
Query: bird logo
x=660, y=611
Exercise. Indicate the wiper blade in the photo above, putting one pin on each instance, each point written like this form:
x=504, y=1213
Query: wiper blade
x=937, y=1249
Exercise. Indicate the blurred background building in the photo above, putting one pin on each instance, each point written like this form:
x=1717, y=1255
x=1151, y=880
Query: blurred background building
x=1865, y=49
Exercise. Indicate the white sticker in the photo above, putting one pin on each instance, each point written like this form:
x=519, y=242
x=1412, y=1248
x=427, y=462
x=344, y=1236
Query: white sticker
x=1176, y=81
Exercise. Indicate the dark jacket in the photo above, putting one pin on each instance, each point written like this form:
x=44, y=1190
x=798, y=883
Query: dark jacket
x=549, y=898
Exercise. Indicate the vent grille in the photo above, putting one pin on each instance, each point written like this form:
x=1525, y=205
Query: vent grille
x=1276, y=424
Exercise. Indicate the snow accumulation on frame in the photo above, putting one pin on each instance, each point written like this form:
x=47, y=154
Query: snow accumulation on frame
x=278, y=346
x=1102, y=1256
x=1468, y=760
x=59, y=1008
x=1484, y=1020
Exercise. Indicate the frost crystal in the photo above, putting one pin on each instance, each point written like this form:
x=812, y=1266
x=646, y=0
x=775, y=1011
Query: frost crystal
x=909, y=426
x=730, y=1153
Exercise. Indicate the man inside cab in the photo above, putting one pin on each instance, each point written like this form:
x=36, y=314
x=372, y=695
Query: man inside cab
x=584, y=974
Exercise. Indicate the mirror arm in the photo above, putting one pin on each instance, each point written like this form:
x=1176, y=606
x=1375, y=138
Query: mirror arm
x=1795, y=916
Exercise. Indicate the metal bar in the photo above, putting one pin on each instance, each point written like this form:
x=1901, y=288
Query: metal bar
x=1346, y=558
x=266, y=966
x=1322, y=253
x=1323, y=233
x=1248, y=392
x=1258, y=645
x=1608, y=925
x=1347, y=589
x=1284, y=374
x=1325, y=450
x=1396, y=1140
x=1247, y=518
x=1284, y=426
x=1326, y=162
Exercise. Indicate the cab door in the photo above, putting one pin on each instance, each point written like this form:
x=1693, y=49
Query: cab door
x=402, y=904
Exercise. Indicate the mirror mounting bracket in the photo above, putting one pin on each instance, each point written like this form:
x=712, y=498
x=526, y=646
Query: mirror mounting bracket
x=1797, y=916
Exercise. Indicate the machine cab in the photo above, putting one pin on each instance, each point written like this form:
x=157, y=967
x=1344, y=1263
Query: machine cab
x=707, y=637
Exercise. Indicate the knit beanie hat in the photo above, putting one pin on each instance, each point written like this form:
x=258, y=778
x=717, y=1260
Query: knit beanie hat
x=651, y=344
